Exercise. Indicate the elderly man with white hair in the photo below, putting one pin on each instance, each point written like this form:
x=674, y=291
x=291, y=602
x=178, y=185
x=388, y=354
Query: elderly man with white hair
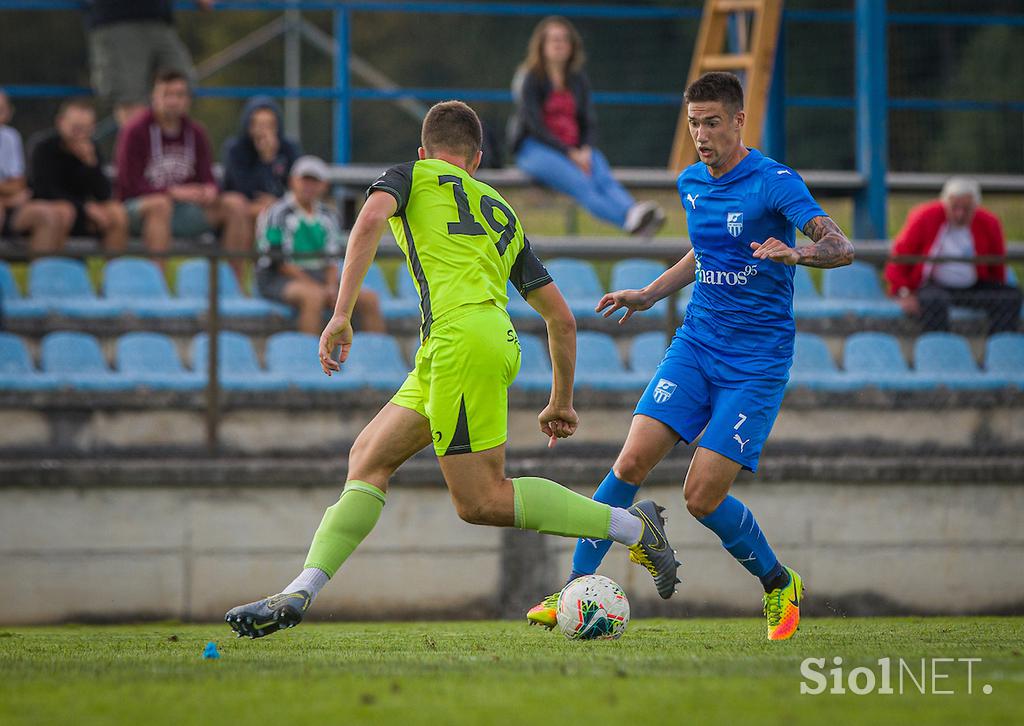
x=954, y=226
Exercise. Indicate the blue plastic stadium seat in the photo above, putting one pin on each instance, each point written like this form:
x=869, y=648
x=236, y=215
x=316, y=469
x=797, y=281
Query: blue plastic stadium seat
x=808, y=302
x=407, y=303
x=945, y=359
x=374, y=361
x=63, y=287
x=12, y=304
x=237, y=365
x=634, y=274
x=646, y=353
x=875, y=359
x=140, y=287
x=598, y=365
x=194, y=285
x=814, y=368
x=17, y=373
x=855, y=289
x=535, y=364
x=579, y=285
x=76, y=361
x=151, y=361
x=295, y=358
x=1004, y=358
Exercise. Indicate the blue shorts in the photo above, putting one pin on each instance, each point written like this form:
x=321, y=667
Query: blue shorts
x=688, y=395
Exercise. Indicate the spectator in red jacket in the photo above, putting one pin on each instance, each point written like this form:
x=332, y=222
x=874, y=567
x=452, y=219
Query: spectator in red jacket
x=165, y=177
x=956, y=225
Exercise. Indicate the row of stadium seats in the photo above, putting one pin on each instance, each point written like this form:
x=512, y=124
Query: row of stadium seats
x=940, y=359
x=137, y=287
x=61, y=286
x=150, y=361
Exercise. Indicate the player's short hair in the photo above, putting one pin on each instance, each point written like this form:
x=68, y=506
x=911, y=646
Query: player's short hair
x=79, y=102
x=717, y=86
x=454, y=127
x=169, y=75
x=959, y=186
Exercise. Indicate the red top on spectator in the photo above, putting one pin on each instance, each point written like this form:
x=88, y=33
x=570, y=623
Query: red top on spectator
x=149, y=161
x=918, y=237
x=560, y=117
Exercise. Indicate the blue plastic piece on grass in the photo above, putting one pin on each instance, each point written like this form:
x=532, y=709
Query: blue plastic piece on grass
x=211, y=651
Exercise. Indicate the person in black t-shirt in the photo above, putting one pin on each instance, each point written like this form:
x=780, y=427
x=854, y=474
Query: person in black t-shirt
x=65, y=165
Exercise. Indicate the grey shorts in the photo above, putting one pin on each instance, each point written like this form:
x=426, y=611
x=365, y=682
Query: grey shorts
x=187, y=219
x=271, y=283
x=124, y=57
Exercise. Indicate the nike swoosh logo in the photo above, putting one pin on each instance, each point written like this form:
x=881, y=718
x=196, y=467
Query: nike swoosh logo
x=278, y=600
x=795, y=600
x=660, y=542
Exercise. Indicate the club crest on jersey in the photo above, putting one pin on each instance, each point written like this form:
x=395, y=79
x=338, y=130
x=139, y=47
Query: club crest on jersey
x=734, y=221
x=664, y=390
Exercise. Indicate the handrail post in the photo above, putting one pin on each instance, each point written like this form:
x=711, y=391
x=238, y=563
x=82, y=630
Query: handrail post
x=293, y=69
x=213, y=355
x=342, y=95
x=869, y=218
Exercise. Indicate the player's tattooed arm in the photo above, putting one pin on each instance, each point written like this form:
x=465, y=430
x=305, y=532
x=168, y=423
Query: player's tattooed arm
x=829, y=248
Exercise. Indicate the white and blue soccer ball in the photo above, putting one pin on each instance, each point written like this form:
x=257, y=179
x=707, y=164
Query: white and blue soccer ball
x=592, y=607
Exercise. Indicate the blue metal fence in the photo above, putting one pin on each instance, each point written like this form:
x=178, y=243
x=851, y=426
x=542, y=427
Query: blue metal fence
x=870, y=100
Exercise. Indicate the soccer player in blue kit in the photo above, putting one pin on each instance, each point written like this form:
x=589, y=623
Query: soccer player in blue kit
x=726, y=369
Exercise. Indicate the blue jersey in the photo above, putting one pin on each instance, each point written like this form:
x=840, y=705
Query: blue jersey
x=742, y=307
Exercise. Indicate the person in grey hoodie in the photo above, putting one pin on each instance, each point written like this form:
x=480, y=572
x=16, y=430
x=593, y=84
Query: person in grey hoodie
x=257, y=160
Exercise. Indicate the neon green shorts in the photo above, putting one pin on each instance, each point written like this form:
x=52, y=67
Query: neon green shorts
x=461, y=379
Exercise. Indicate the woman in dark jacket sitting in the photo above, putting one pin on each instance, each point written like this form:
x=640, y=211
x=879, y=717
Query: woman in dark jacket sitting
x=553, y=130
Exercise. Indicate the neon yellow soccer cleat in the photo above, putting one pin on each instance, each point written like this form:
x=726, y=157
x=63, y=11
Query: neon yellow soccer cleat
x=782, y=607
x=545, y=612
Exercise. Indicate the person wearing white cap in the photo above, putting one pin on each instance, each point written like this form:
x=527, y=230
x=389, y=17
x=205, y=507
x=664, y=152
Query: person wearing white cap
x=300, y=243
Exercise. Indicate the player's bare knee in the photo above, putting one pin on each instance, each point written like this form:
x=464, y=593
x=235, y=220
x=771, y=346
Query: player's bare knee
x=473, y=510
x=632, y=466
x=700, y=501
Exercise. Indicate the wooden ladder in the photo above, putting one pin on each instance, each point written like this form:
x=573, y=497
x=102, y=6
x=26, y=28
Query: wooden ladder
x=757, y=33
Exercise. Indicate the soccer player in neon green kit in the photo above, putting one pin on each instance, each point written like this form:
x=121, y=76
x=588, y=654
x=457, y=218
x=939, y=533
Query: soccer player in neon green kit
x=462, y=242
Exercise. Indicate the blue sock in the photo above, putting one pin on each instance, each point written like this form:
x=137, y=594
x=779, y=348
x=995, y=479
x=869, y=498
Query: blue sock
x=742, y=538
x=589, y=552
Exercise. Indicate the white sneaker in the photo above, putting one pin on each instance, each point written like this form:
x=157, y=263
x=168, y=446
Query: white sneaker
x=644, y=219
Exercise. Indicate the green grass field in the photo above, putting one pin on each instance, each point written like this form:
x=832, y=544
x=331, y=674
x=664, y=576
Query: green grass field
x=695, y=671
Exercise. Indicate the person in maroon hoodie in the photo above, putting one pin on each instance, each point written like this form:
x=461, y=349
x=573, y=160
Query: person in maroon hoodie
x=165, y=177
x=955, y=225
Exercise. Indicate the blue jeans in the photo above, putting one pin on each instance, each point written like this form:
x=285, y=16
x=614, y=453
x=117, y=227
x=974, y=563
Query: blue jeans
x=598, y=192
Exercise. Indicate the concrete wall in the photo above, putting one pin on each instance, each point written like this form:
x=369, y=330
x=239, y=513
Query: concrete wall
x=255, y=430
x=193, y=552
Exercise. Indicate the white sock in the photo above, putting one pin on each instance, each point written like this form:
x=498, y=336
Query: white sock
x=624, y=527
x=311, y=580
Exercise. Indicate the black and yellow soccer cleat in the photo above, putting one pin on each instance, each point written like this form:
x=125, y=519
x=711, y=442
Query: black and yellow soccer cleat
x=266, y=616
x=653, y=550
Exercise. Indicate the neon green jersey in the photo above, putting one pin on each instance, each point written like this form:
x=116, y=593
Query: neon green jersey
x=462, y=241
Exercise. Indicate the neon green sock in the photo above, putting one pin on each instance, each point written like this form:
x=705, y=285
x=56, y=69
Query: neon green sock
x=345, y=525
x=548, y=507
